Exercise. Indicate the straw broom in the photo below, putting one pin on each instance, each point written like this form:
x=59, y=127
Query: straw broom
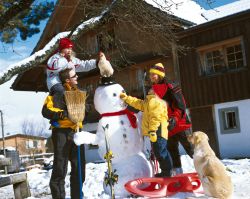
x=75, y=101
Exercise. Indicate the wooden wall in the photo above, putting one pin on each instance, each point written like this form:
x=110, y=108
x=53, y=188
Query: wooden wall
x=203, y=120
x=229, y=86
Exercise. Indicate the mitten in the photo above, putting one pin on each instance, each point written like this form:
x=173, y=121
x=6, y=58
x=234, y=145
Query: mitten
x=171, y=123
x=152, y=136
x=123, y=96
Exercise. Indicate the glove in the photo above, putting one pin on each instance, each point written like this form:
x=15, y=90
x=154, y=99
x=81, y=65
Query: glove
x=63, y=115
x=171, y=123
x=54, y=123
x=123, y=96
x=152, y=136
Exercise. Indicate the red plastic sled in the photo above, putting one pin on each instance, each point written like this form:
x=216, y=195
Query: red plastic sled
x=188, y=182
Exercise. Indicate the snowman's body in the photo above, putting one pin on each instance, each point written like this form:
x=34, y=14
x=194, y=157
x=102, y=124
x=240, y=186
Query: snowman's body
x=125, y=142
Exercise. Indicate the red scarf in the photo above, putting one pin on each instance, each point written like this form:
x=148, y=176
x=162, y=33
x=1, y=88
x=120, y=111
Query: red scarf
x=131, y=116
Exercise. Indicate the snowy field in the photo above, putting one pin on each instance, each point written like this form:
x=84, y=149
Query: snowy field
x=39, y=181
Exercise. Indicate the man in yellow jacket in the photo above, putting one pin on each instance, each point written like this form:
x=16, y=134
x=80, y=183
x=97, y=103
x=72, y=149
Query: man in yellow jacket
x=64, y=147
x=154, y=125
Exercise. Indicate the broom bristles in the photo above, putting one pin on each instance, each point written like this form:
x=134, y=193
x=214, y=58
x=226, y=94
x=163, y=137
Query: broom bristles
x=75, y=101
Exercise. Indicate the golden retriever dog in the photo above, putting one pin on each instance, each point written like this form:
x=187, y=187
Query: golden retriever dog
x=213, y=175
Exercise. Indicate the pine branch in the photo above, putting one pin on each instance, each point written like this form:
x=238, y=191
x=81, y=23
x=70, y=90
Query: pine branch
x=13, y=11
x=37, y=60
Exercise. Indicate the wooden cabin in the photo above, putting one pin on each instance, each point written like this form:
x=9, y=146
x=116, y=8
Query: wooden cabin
x=141, y=52
x=215, y=78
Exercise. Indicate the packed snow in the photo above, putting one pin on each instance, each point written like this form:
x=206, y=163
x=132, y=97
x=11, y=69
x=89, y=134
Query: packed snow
x=184, y=9
x=239, y=170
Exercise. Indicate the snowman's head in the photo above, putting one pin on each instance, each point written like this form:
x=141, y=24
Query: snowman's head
x=107, y=99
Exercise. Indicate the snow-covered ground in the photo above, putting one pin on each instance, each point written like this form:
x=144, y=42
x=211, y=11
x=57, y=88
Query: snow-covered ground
x=93, y=189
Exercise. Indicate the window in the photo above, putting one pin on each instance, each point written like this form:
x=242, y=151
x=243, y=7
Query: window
x=29, y=144
x=222, y=57
x=229, y=120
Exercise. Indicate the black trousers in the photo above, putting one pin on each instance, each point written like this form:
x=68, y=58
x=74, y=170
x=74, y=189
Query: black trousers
x=173, y=143
x=65, y=150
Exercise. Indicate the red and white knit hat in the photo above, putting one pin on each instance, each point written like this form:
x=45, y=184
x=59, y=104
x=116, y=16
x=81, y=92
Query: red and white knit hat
x=65, y=43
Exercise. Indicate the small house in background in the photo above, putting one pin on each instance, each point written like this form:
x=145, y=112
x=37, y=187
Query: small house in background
x=25, y=144
x=215, y=78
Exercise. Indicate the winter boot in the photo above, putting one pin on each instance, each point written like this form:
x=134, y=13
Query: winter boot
x=176, y=171
x=162, y=174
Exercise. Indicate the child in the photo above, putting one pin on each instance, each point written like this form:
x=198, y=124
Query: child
x=179, y=124
x=63, y=59
x=154, y=125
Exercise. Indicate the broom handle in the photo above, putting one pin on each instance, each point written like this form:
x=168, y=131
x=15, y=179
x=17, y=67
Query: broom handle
x=79, y=169
x=79, y=165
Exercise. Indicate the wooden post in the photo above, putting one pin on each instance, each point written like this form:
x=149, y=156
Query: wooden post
x=20, y=185
x=5, y=161
x=176, y=63
x=4, y=152
x=21, y=190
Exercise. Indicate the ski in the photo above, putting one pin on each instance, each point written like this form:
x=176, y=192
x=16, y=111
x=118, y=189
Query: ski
x=111, y=177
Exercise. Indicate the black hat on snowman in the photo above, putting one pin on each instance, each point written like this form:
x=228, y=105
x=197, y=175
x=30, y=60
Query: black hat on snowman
x=106, y=81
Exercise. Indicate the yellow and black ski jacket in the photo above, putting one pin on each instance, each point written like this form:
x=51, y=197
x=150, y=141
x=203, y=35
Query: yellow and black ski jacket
x=53, y=113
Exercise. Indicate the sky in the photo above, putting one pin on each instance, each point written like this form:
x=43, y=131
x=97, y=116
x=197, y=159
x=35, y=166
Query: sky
x=214, y=3
x=18, y=106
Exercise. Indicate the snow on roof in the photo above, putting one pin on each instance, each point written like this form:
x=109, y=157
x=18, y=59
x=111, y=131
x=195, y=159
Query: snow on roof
x=23, y=63
x=184, y=9
x=226, y=10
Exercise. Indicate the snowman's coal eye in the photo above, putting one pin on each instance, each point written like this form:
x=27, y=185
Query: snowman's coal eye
x=114, y=94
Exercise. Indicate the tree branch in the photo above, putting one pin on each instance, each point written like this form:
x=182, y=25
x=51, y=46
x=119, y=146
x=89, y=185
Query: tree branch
x=13, y=11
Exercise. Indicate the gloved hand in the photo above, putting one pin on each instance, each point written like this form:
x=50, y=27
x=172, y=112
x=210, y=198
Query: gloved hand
x=171, y=123
x=123, y=96
x=63, y=115
x=152, y=136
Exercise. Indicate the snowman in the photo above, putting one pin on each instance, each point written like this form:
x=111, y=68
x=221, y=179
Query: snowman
x=125, y=139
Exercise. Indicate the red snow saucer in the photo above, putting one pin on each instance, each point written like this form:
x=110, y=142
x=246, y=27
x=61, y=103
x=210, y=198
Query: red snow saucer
x=160, y=187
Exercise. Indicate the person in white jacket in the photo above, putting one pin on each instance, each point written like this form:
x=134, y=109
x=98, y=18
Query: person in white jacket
x=63, y=59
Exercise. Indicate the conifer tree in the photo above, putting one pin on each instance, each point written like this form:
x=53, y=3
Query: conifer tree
x=22, y=18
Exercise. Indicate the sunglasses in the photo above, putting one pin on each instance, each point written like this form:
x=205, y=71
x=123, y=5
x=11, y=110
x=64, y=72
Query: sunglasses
x=74, y=76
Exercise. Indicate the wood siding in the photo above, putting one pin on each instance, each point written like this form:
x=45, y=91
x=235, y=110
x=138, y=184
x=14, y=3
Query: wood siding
x=203, y=120
x=219, y=88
